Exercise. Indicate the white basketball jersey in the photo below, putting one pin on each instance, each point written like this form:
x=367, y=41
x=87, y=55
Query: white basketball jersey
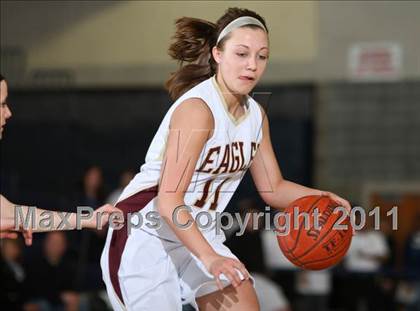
x=222, y=163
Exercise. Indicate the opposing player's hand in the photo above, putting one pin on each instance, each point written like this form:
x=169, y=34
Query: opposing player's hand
x=103, y=213
x=8, y=234
x=7, y=223
x=217, y=265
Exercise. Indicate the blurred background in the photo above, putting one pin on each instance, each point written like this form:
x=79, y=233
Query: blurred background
x=343, y=94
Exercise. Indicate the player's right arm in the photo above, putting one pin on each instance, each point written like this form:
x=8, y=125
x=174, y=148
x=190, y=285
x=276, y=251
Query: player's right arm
x=190, y=127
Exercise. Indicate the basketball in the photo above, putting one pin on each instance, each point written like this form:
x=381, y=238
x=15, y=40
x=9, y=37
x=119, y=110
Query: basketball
x=316, y=241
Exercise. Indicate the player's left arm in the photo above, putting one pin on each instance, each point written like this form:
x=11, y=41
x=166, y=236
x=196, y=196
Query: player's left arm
x=276, y=191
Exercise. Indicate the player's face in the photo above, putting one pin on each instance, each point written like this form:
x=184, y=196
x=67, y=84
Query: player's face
x=243, y=59
x=5, y=112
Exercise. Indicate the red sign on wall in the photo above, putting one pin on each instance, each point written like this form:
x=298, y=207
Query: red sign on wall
x=375, y=61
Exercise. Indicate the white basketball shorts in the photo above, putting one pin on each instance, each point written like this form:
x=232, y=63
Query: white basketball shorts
x=142, y=271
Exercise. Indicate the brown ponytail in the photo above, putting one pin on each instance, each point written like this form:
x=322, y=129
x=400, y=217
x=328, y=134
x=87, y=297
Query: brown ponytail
x=193, y=41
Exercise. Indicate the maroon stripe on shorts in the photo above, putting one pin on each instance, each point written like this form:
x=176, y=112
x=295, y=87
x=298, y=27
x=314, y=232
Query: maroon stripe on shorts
x=119, y=237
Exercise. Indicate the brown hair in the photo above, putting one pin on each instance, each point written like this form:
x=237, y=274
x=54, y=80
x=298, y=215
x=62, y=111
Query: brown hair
x=193, y=41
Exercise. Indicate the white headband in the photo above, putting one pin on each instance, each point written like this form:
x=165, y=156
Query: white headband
x=239, y=22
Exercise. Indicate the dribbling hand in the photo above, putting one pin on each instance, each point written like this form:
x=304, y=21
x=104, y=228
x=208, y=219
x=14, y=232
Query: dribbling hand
x=342, y=202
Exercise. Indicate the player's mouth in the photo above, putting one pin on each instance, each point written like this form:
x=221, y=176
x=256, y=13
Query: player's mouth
x=247, y=78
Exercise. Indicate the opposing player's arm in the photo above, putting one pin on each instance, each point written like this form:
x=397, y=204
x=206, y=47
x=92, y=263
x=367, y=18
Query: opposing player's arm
x=272, y=187
x=191, y=126
x=13, y=216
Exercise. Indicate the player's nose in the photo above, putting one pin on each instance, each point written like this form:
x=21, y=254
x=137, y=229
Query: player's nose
x=252, y=64
x=8, y=113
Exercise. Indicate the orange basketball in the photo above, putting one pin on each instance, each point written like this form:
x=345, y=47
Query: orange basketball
x=318, y=241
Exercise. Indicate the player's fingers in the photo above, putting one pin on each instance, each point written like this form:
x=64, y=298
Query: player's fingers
x=230, y=277
x=347, y=206
x=27, y=235
x=240, y=269
x=218, y=282
x=237, y=276
x=116, y=219
x=108, y=210
x=119, y=218
x=233, y=276
x=342, y=202
x=240, y=266
x=28, y=241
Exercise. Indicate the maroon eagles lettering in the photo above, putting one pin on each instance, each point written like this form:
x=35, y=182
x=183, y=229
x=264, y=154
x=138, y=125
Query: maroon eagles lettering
x=233, y=159
x=209, y=159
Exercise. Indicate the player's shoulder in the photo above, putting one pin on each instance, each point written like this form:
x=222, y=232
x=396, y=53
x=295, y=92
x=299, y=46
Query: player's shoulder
x=193, y=110
x=195, y=105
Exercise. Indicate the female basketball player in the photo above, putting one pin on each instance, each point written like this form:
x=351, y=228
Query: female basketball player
x=208, y=139
x=7, y=209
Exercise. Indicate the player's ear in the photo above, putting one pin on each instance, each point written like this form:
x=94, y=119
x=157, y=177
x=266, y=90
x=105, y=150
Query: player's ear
x=216, y=54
